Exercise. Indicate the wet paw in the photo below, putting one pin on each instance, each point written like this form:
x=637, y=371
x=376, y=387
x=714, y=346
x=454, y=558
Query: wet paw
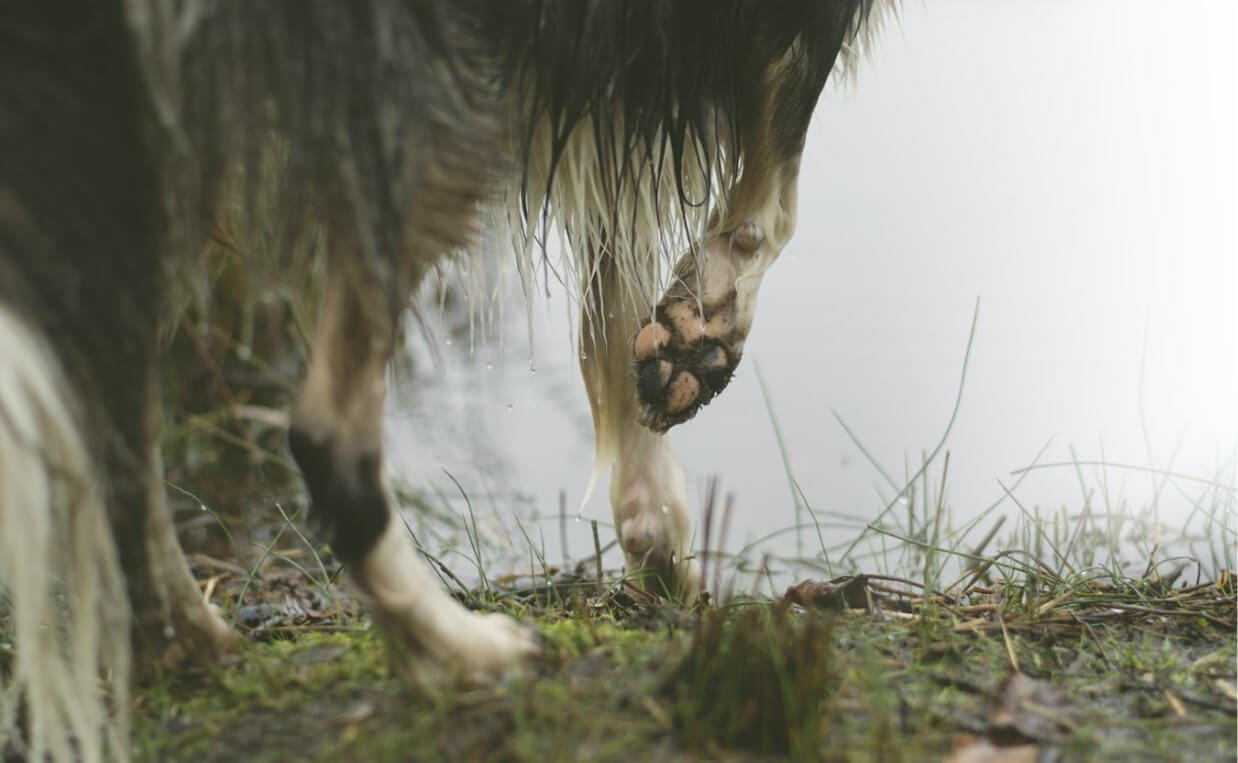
x=687, y=354
x=682, y=360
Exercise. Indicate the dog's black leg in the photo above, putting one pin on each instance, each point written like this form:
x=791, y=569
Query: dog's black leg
x=336, y=439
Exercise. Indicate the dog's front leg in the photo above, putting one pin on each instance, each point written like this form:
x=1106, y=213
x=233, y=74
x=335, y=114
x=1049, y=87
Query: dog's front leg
x=336, y=439
x=648, y=495
x=688, y=349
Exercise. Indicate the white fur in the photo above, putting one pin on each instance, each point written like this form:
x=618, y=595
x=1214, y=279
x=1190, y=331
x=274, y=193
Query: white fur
x=649, y=499
x=653, y=232
x=654, y=227
x=406, y=598
x=58, y=567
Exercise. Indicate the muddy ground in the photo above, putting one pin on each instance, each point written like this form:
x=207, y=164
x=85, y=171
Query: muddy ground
x=1015, y=663
x=864, y=668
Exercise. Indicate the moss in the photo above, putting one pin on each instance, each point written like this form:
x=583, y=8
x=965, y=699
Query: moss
x=753, y=680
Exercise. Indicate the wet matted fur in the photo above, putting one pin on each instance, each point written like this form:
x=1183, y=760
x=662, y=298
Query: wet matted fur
x=659, y=139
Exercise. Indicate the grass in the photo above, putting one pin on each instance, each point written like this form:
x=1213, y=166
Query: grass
x=1046, y=644
x=1044, y=637
x=1136, y=671
x=1070, y=634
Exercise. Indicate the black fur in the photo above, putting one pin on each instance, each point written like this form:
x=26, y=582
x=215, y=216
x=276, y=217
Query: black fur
x=351, y=507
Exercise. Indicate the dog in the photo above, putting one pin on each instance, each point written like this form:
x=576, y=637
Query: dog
x=659, y=139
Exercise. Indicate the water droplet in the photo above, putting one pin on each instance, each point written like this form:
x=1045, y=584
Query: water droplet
x=584, y=356
x=666, y=509
x=509, y=407
x=489, y=366
x=202, y=506
x=448, y=342
x=532, y=371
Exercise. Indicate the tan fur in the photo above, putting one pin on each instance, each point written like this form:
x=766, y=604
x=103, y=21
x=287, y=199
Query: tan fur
x=622, y=278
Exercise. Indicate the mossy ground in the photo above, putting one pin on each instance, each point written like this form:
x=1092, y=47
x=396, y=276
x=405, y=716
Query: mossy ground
x=625, y=677
x=1048, y=652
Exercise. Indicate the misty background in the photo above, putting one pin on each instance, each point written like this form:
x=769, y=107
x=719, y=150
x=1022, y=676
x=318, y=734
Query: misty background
x=1070, y=164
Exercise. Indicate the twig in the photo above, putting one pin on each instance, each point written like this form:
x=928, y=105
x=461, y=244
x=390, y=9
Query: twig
x=597, y=560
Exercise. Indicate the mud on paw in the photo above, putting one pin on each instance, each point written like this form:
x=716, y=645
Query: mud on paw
x=687, y=354
x=682, y=359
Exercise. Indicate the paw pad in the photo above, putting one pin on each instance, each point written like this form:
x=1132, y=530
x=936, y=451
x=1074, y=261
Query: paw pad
x=688, y=352
x=679, y=367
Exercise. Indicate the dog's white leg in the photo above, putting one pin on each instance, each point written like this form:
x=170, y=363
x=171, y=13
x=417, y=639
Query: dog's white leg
x=662, y=372
x=648, y=495
x=336, y=438
x=652, y=518
x=438, y=635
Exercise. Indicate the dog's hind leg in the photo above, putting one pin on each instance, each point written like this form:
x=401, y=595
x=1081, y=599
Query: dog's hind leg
x=648, y=495
x=173, y=624
x=688, y=352
x=336, y=439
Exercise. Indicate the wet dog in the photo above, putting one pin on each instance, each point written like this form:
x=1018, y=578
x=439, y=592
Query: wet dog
x=652, y=136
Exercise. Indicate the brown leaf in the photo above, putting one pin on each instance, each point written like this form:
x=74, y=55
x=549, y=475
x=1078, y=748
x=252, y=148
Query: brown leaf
x=848, y=592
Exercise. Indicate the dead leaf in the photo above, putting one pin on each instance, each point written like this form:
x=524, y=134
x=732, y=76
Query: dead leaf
x=848, y=592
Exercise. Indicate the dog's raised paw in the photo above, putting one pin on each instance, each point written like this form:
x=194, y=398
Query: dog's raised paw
x=680, y=363
x=688, y=352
